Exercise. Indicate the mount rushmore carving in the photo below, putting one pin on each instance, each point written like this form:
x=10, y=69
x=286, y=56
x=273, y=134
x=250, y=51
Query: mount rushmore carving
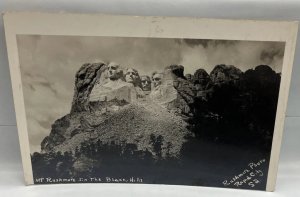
x=99, y=82
x=110, y=87
x=161, y=117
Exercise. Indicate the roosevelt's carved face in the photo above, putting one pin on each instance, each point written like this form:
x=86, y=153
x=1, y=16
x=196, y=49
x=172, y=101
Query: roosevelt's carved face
x=146, y=83
x=157, y=79
x=113, y=71
x=132, y=76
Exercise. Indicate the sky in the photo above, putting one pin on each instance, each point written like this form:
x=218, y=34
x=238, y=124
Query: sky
x=49, y=64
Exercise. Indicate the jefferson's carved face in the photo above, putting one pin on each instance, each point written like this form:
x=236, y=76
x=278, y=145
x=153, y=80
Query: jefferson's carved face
x=131, y=76
x=157, y=79
x=113, y=71
x=146, y=83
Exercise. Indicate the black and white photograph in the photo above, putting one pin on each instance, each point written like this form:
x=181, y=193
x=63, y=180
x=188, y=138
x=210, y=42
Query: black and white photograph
x=176, y=111
x=116, y=101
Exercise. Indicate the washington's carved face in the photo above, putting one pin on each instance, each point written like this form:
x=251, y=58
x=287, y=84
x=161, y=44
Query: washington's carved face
x=132, y=76
x=113, y=71
x=157, y=79
x=146, y=83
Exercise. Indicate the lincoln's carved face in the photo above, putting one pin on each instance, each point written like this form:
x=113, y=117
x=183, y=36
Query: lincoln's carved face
x=132, y=76
x=146, y=83
x=157, y=79
x=113, y=71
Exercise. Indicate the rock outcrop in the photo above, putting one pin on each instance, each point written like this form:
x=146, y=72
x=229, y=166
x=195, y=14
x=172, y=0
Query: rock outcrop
x=202, y=84
x=111, y=131
x=183, y=104
x=57, y=134
x=130, y=124
x=225, y=73
x=85, y=80
x=110, y=111
x=111, y=90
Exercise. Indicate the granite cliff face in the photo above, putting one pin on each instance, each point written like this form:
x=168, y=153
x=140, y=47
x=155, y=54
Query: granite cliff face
x=180, y=104
x=122, y=116
x=185, y=94
x=113, y=126
x=223, y=73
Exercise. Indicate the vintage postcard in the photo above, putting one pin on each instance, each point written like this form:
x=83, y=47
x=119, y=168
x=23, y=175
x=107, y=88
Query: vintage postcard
x=150, y=100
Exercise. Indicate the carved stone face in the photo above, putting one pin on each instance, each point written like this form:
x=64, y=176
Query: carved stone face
x=113, y=71
x=157, y=79
x=132, y=76
x=146, y=83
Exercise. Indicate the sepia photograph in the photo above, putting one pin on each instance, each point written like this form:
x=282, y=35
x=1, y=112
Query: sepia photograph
x=150, y=110
x=129, y=100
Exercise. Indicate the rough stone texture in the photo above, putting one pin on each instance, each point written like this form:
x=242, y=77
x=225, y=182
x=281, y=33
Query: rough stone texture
x=117, y=89
x=57, y=134
x=200, y=76
x=202, y=84
x=165, y=114
x=172, y=125
x=131, y=123
x=185, y=93
x=264, y=74
x=177, y=70
x=86, y=78
x=225, y=73
x=119, y=119
x=189, y=77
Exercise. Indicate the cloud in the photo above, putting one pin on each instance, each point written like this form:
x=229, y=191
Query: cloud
x=207, y=43
x=272, y=54
x=38, y=81
x=243, y=54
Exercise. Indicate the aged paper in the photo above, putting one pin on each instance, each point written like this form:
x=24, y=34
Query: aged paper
x=121, y=56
